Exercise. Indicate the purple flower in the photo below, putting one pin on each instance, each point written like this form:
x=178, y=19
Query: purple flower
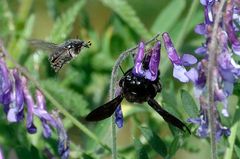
x=118, y=111
x=226, y=71
x=228, y=21
x=5, y=86
x=16, y=105
x=201, y=29
x=208, y=11
x=202, y=121
x=31, y=128
x=179, y=63
x=14, y=95
x=147, y=65
x=119, y=117
x=44, y=116
x=138, y=68
x=63, y=142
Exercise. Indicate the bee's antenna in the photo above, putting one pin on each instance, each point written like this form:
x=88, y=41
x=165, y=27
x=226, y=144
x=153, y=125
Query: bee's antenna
x=121, y=69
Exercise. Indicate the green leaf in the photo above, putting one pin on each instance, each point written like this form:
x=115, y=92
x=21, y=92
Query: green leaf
x=189, y=104
x=128, y=14
x=140, y=150
x=86, y=156
x=34, y=152
x=102, y=131
x=168, y=17
x=20, y=46
x=72, y=101
x=6, y=22
x=237, y=150
x=63, y=26
x=175, y=145
x=157, y=144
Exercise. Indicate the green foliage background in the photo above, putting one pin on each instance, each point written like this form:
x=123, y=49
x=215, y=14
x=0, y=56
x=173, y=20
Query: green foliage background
x=112, y=26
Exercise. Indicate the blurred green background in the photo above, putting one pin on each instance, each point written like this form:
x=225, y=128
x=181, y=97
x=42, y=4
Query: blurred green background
x=80, y=86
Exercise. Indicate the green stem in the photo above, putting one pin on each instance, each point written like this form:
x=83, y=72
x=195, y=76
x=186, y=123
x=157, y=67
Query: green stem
x=113, y=84
x=231, y=140
x=53, y=101
x=182, y=35
x=211, y=79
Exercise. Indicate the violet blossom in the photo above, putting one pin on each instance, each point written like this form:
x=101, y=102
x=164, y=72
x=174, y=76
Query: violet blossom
x=15, y=97
x=179, y=63
x=226, y=71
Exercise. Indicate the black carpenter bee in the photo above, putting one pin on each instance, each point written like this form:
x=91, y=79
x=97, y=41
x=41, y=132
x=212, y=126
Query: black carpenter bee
x=61, y=53
x=139, y=84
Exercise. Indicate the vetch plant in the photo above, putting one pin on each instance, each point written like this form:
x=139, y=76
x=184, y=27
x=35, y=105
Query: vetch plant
x=15, y=97
x=216, y=73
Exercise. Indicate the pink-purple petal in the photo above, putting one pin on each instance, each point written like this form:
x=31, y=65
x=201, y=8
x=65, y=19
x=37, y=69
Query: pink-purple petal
x=154, y=61
x=138, y=70
x=171, y=51
x=188, y=60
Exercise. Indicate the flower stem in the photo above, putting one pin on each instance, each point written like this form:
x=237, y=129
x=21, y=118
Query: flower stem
x=113, y=84
x=83, y=128
x=211, y=79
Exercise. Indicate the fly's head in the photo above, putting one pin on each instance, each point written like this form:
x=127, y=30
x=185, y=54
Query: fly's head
x=137, y=88
x=75, y=45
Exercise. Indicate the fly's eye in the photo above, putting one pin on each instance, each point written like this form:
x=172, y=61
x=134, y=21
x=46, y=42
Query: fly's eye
x=70, y=46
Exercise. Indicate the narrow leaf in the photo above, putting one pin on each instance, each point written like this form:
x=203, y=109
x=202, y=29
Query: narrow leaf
x=157, y=144
x=70, y=99
x=237, y=150
x=175, y=145
x=127, y=13
x=189, y=104
x=168, y=17
x=140, y=150
x=63, y=26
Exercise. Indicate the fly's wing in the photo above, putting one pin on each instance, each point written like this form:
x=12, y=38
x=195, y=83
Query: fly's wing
x=167, y=116
x=58, y=58
x=105, y=110
x=43, y=45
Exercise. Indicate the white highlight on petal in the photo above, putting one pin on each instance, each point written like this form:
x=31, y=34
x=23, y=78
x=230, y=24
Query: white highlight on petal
x=11, y=116
x=179, y=73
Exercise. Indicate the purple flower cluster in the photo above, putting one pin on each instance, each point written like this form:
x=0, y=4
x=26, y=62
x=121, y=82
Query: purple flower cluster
x=145, y=65
x=226, y=70
x=14, y=95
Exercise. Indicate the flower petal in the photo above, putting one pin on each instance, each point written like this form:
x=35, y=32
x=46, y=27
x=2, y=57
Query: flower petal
x=202, y=50
x=201, y=29
x=119, y=117
x=179, y=73
x=188, y=60
x=172, y=53
x=30, y=107
x=154, y=61
x=138, y=70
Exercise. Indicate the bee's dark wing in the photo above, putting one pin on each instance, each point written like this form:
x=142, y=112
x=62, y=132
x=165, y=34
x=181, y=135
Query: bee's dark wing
x=167, y=116
x=105, y=110
x=43, y=45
